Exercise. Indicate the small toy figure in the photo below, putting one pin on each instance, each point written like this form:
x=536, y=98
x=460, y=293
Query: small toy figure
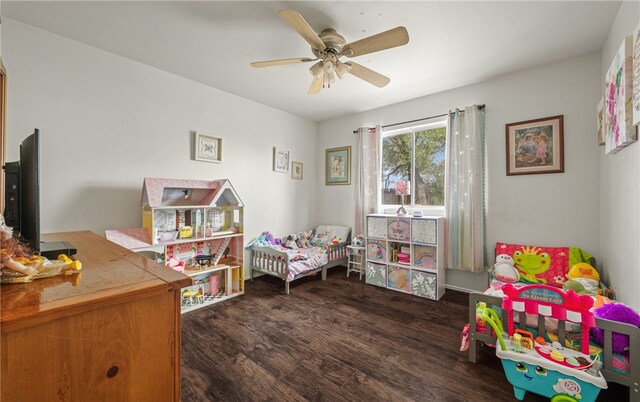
x=526, y=338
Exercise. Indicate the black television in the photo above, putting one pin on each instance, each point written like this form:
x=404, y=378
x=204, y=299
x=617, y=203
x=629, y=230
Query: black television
x=30, y=190
x=22, y=200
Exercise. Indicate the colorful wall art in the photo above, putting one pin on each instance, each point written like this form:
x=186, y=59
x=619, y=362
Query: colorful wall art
x=619, y=130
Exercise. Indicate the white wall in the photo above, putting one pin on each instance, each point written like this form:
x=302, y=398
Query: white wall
x=620, y=189
x=547, y=209
x=107, y=122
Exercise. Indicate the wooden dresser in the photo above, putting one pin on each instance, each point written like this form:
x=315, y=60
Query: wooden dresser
x=108, y=333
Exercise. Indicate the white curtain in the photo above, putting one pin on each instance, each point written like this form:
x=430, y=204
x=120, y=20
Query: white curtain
x=367, y=175
x=465, y=190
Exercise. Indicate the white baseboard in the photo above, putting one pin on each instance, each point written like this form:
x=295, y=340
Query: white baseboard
x=459, y=289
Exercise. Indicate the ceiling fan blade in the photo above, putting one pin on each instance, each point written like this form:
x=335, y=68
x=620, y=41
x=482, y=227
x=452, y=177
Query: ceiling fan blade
x=370, y=76
x=269, y=63
x=384, y=40
x=298, y=23
x=316, y=85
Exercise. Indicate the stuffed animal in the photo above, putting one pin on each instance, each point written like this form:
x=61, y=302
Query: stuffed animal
x=306, y=238
x=620, y=313
x=358, y=241
x=583, y=270
x=333, y=241
x=586, y=276
x=291, y=242
x=264, y=240
x=575, y=286
x=504, y=269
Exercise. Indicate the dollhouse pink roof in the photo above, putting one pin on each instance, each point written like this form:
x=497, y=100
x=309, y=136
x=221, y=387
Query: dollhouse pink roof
x=161, y=192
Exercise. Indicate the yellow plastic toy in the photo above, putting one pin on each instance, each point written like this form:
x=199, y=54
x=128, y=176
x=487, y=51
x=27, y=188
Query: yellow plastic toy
x=43, y=267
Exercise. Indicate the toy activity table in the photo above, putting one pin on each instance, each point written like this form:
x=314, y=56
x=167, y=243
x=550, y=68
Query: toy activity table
x=559, y=373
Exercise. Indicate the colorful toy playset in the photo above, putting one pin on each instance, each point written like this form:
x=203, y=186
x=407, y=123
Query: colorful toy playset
x=536, y=285
x=534, y=365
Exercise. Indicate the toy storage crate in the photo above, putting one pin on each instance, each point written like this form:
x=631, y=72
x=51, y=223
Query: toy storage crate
x=424, y=231
x=376, y=274
x=424, y=284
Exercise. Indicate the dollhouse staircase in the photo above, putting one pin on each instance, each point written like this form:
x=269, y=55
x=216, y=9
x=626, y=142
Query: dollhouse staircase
x=220, y=252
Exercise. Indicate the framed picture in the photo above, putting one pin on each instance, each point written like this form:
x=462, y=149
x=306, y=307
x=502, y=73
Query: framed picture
x=618, y=129
x=281, y=160
x=207, y=148
x=535, y=146
x=338, y=166
x=296, y=170
x=636, y=76
x=600, y=125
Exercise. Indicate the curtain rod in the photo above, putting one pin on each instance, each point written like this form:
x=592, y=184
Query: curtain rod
x=426, y=118
x=421, y=119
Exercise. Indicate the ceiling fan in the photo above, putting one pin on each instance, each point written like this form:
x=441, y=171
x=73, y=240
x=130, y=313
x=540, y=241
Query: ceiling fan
x=329, y=46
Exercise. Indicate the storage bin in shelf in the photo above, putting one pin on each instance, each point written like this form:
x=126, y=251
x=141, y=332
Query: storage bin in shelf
x=425, y=256
x=399, y=278
x=424, y=284
x=377, y=250
x=376, y=274
x=399, y=229
x=424, y=231
x=377, y=227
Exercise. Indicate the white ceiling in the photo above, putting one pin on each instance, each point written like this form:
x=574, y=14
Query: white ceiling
x=452, y=44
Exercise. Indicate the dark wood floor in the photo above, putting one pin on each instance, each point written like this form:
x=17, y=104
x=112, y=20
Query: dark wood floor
x=338, y=340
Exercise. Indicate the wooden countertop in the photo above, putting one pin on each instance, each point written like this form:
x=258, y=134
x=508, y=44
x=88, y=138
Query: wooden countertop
x=110, y=274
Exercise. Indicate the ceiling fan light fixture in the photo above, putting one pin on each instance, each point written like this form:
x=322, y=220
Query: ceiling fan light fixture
x=329, y=66
x=316, y=70
x=342, y=69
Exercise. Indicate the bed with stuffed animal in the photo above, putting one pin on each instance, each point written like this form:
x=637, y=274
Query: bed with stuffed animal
x=615, y=341
x=299, y=255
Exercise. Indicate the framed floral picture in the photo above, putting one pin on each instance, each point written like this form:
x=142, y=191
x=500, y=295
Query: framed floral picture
x=281, y=160
x=296, y=170
x=338, y=166
x=535, y=146
x=207, y=148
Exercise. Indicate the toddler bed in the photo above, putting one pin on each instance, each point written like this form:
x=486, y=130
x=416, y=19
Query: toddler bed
x=623, y=369
x=328, y=248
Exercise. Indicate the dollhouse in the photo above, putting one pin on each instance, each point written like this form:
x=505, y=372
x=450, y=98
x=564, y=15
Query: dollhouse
x=196, y=227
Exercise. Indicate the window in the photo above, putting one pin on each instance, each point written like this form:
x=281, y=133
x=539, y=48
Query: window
x=414, y=154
